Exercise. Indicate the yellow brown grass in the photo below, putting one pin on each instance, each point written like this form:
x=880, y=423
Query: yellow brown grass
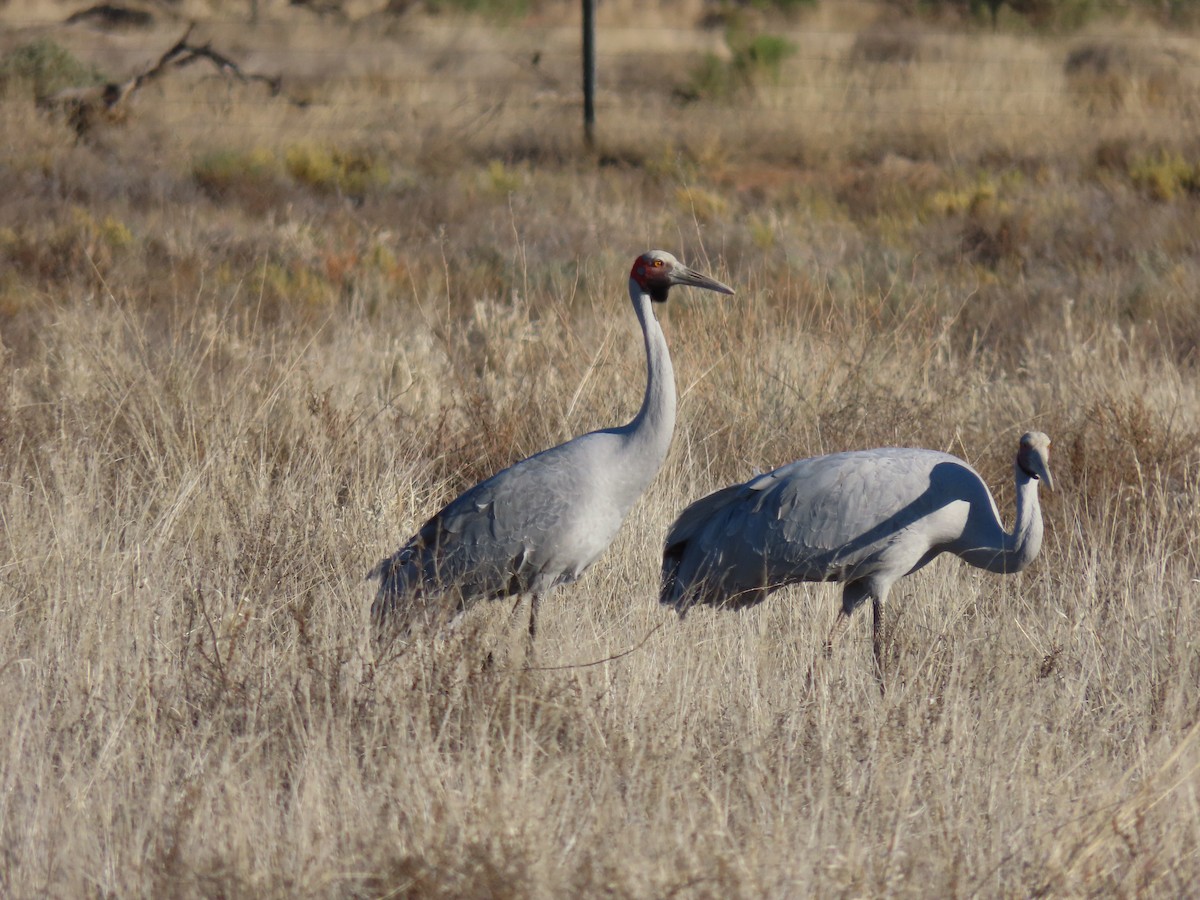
x=227, y=391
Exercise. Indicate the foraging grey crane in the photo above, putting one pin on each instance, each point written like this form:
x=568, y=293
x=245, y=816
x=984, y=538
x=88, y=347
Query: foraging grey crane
x=865, y=518
x=542, y=521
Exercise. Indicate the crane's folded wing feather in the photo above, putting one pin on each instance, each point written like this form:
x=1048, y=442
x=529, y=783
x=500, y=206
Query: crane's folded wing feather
x=849, y=501
x=488, y=535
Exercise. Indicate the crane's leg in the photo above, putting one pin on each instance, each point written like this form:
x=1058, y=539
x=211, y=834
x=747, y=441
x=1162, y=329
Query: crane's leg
x=878, y=638
x=853, y=593
x=838, y=629
x=535, y=600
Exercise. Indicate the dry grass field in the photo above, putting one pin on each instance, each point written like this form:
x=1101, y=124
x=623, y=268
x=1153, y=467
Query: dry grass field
x=249, y=342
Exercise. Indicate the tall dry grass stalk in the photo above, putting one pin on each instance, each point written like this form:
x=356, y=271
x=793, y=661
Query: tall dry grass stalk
x=228, y=391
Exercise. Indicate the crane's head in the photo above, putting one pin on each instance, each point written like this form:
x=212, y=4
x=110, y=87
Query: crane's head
x=657, y=271
x=1033, y=457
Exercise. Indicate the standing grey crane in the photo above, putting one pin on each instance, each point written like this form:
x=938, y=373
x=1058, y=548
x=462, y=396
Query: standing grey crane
x=542, y=521
x=865, y=518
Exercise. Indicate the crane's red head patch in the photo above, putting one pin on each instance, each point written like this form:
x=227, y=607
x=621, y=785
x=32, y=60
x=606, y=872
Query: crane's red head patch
x=657, y=270
x=647, y=269
x=653, y=274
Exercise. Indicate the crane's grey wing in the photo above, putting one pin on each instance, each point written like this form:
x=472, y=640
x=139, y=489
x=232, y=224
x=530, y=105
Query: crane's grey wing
x=829, y=508
x=483, y=543
x=686, y=551
x=718, y=549
x=810, y=520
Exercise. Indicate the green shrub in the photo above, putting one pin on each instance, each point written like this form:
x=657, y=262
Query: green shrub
x=351, y=173
x=498, y=10
x=501, y=180
x=979, y=196
x=223, y=170
x=762, y=56
x=1165, y=176
x=787, y=6
x=710, y=80
x=731, y=12
x=47, y=68
x=1046, y=14
x=754, y=60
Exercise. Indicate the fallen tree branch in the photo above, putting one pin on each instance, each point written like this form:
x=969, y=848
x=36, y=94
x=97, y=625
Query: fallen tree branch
x=229, y=67
x=85, y=107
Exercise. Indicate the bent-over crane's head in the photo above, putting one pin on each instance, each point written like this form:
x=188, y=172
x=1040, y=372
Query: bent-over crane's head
x=657, y=271
x=1033, y=457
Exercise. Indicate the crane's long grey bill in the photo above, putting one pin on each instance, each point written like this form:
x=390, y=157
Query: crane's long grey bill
x=694, y=279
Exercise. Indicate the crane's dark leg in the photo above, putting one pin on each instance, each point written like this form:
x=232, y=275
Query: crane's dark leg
x=838, y=629
x=853, y=594
x=532, y=629
x=878, y=638
x=535, y=600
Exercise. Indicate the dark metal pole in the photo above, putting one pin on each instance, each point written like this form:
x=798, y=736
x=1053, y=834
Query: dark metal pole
x=589, y=72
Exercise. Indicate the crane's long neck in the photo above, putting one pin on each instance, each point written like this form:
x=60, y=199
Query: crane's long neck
x=1013, y=551
x=648, y=434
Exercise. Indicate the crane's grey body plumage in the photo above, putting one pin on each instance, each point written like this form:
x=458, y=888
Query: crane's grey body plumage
x=864, y=518
x=527, y=529
x=544, y=520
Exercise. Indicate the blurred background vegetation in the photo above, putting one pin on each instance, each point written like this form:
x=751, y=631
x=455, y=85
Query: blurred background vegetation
x=267, y=303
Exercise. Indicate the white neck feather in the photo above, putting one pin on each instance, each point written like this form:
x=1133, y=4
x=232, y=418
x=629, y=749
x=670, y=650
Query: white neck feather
x=648, y=434
x=1012, y=552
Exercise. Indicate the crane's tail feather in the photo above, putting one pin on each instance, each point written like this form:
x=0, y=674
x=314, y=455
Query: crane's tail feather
x=408, y=601
x=684, y=555
x=401, y=603
x=696, y=516
x=379, y=570
x=667, y=595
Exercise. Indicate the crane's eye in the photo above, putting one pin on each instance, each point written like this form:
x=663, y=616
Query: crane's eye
x=658, y=264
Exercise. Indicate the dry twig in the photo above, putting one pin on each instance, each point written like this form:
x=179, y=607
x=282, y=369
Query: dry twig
x=85, y=107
